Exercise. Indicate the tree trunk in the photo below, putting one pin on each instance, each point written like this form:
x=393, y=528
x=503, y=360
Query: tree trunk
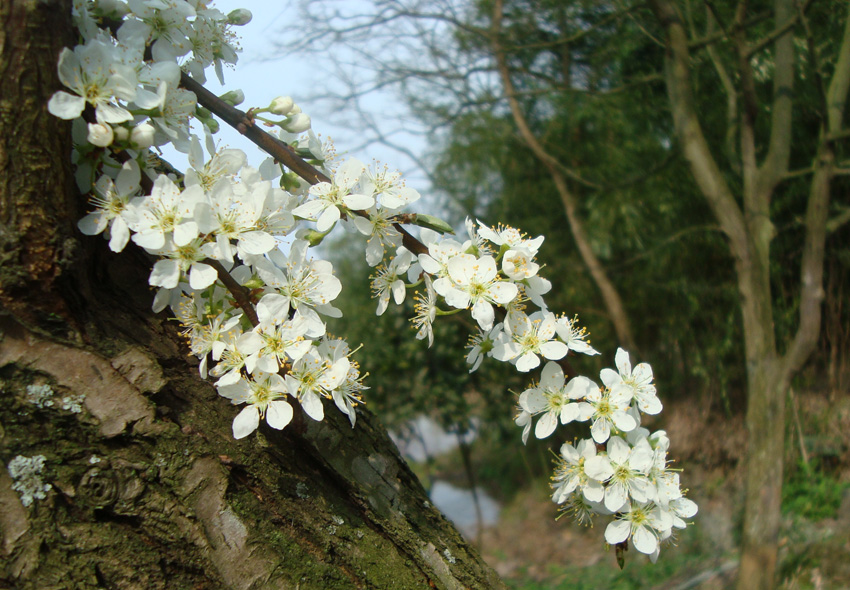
x=148, y=487
x=766, y=395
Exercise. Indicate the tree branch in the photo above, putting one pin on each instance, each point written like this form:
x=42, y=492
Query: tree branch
x=612, y=299
x=778, y=32
x=689, y=132
x=838, y=221
x=775, y=163
x=811, y=265
x=729, y=89
x=242, y=295
x=276, y=148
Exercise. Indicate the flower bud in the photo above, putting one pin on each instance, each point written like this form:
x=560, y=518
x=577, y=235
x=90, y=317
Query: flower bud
x=112, y=8
x=294, y=110
x=142, y=135
x=233, y=97
x=121, y=133
x=212, y=125
x=297, y=123
x=431, y=222
x=239, y=17
x=100, y=134
x=314, y=237
x=282, y=105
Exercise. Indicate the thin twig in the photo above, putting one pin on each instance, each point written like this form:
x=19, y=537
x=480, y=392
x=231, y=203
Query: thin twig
x=277, y=149
x=241, y=294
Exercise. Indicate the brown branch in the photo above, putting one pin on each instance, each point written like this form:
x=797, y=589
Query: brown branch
x=689, y=131
x=714, y=37
x=839, y=220
x=775, y=163
x=811, y=265
x=814, y=59
x=837, y=135
x=277, y=149
x=241, y=294
x=779, y=31
x=796, y=173
x=729, y=89
x=240, y=121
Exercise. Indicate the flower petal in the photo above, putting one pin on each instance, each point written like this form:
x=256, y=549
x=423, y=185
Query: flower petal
x=617, y=532
x=278, y=414
x=546, y=425
x=66, y=106
x=246, y=422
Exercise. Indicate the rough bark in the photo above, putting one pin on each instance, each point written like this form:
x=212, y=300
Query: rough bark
x=174, y=501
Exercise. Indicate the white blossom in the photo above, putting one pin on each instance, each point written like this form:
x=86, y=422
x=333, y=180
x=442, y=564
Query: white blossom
x=473, y=282
x=263, y=392
x=637, y=381
x=526, y=337
x=332, y=199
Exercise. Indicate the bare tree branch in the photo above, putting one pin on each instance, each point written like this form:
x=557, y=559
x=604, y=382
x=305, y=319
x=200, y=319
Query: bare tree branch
x=612, y=299
x=689, y=130
x=817, y=227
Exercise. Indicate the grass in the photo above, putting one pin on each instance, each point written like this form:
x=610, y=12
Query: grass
x=812, y=492
x=638, y=573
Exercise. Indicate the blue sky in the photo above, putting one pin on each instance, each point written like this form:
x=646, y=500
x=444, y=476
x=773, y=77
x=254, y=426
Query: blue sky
x=263, y=73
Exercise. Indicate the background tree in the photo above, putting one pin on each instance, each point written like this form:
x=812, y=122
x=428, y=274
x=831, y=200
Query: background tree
x=742, y=199
x=147, y=488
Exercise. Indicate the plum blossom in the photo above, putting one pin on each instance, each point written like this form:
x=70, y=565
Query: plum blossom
x=570, y=473
x=526, y=337
x=473, y=281
x=313, y=377
x=307, y=286
x=262, y=392
x=167, y=212
x=574, y=336
x=511, y=238
x=389, y=186
x=379, y=227
x=637, y=381
x=388, y=280
x=185, y=260
x=623, y=469
x=642, y=522
x=332, y=199
x=610, y=410
x=481, y=345
x=426, y=313
x=98, y=78
x=111, y=200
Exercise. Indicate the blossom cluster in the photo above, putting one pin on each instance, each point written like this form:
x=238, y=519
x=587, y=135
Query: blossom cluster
x=621, y=469
x=227, y=219
x=223, y=220
x=235, y=261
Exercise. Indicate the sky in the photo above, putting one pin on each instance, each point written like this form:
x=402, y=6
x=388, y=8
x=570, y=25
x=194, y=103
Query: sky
x=263, y=73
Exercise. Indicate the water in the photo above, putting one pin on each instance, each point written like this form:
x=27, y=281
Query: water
x=422, y=439
x=458, y=505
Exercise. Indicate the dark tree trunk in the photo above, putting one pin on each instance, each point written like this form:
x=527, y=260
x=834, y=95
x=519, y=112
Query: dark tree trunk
x=174, y=501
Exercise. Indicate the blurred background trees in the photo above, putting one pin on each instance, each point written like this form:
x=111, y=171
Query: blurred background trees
x=687, y=164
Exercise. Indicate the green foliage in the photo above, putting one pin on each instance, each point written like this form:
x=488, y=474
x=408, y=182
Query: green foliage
x=812, y=492
x=406, y=378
